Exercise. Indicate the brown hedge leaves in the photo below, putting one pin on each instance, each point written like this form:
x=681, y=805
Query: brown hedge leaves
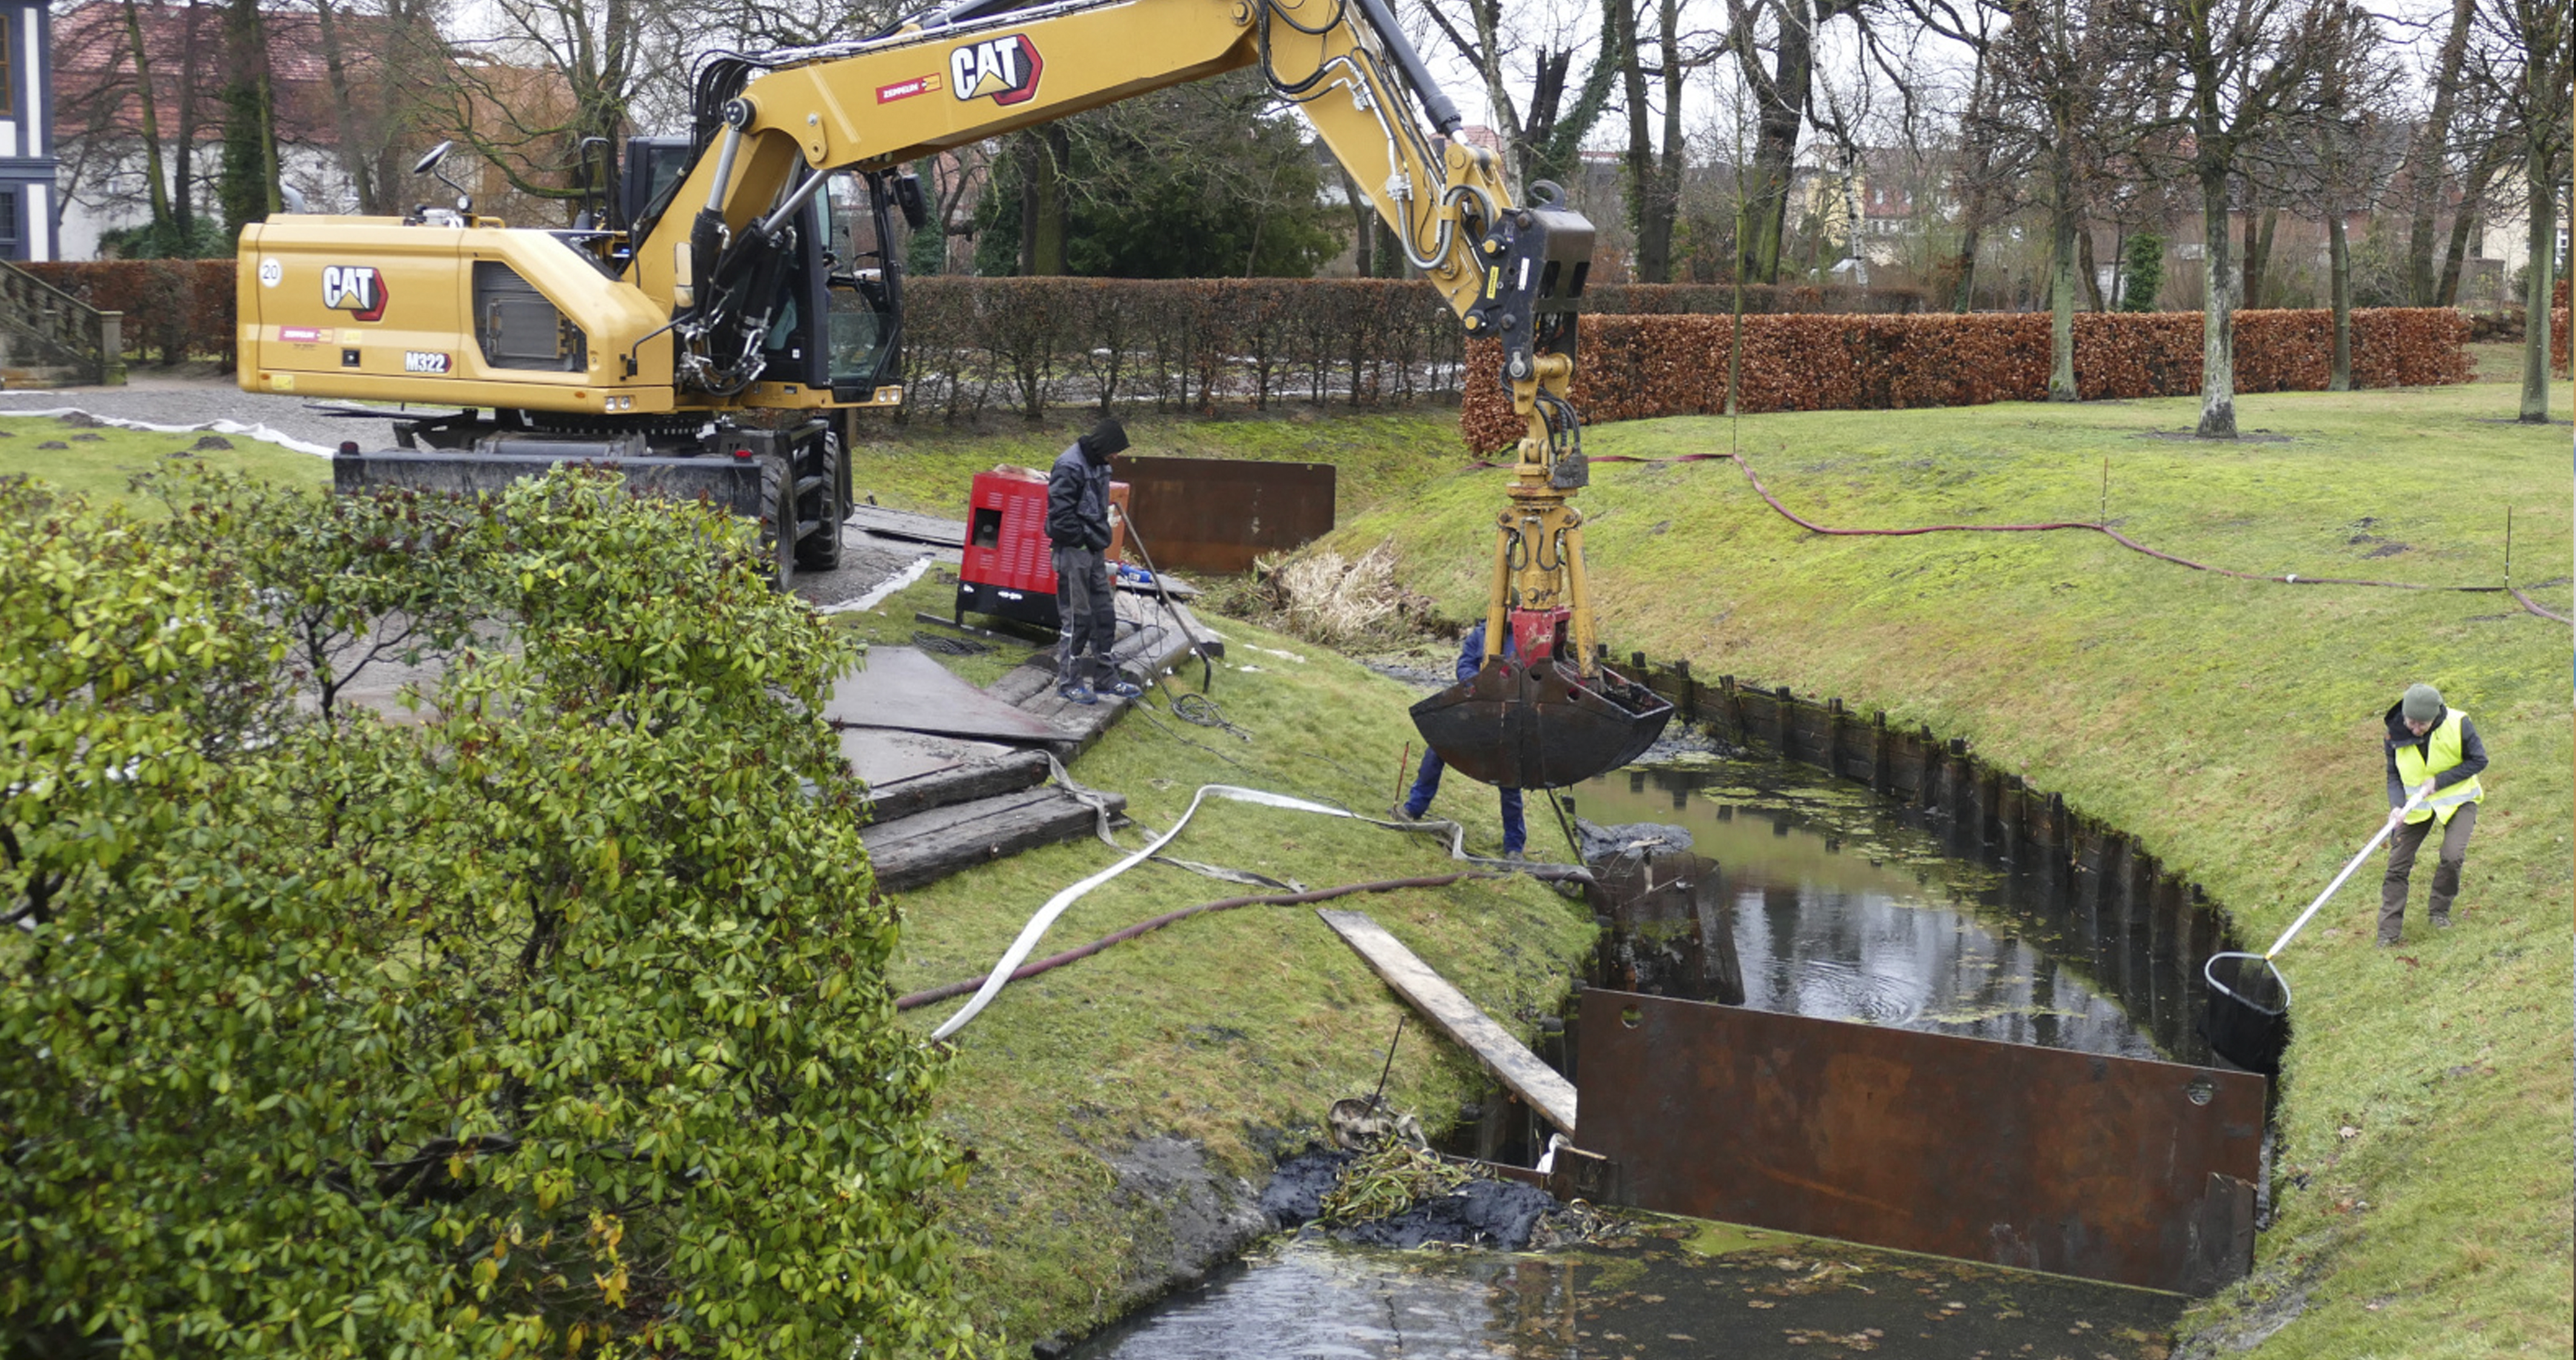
x=1635, y=367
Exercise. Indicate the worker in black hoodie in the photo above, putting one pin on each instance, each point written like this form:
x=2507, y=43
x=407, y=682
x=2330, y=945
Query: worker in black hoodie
x=1078, y=526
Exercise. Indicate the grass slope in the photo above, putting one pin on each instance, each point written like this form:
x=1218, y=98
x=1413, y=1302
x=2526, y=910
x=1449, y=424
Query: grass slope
x=2235, y=725
x=99, y=468
x=1236, y=1030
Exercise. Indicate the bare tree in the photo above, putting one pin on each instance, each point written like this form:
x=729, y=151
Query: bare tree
x=2349, y=161
x=1545, y=141
x=1781, y=33
x=2430, y=164
x=2519, y=57
x=2241, y=67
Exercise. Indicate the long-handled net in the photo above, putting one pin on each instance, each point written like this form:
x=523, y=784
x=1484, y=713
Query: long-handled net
x=2248, y=1022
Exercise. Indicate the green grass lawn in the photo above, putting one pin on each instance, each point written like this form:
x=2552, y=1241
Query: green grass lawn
x=2234, y=725
x=99, y=468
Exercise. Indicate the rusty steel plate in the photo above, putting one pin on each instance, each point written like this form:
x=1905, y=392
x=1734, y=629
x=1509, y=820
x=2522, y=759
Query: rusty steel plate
x=2117, y=1169
x=1217, y=514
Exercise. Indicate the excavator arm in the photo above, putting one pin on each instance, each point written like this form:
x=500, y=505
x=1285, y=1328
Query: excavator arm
x=630, y=346
x=1544, y=711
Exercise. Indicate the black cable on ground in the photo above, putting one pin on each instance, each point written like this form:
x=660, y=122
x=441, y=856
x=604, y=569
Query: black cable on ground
x=948, y=646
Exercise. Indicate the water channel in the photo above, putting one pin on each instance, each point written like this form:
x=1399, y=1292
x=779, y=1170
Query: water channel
x=1822, y=900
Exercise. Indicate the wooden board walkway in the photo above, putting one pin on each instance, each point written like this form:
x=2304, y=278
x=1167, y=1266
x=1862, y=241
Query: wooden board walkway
x=1450, y=1012
x=910, y=851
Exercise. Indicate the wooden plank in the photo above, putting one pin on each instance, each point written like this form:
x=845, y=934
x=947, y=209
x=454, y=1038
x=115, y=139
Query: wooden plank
x=1453, y=1014
x=926, y=846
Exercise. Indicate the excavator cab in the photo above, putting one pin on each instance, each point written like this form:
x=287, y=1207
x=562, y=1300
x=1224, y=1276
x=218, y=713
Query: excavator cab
x=844, y=268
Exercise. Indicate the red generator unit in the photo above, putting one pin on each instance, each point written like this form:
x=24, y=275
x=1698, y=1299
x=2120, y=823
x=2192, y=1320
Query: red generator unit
x=1009, y=571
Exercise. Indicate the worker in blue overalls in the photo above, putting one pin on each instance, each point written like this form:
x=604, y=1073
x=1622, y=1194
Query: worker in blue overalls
x=1426, y=785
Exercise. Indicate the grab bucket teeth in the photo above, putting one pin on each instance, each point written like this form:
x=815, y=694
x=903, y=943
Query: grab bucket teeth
x=1536, y=727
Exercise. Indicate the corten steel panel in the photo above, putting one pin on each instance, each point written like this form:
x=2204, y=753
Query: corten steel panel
x=2044, y=1159
x=1217, y=514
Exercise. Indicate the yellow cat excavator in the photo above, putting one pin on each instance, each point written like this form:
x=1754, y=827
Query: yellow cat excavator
x=700, y=332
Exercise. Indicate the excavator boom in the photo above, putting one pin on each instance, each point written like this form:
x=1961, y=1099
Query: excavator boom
x=711, y=300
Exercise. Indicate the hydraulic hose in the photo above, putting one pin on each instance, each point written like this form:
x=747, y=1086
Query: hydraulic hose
x=1055, y=906
x=1054, y=961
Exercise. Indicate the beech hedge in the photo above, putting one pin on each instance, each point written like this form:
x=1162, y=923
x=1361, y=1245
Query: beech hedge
x=174, y=309
x=1636, y=367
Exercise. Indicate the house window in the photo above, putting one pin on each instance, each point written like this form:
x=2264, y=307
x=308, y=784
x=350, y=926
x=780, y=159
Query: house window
x=11, y=244
x=8, y=65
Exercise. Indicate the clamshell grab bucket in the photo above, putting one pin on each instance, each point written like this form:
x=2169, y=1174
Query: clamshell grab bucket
x=1536, y=727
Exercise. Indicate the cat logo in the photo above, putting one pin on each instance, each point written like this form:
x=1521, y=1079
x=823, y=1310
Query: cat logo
x=356, y=289
x=1004, y=68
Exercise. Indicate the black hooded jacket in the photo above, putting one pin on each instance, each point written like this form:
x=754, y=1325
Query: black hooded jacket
x=1078, y=489
x=1078, y=499
x=2473, y=752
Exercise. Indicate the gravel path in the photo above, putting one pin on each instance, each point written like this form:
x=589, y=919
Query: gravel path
x=187, y=402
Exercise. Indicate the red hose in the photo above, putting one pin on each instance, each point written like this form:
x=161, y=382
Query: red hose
x=1052, y=961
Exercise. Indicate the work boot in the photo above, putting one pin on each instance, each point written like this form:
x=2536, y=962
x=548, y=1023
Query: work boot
x=1401, y=813
x=2441, y=920
x=1077, y=693
x=1123, y=688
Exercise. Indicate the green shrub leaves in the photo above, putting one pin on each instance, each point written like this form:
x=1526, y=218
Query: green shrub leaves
x=545, y=1015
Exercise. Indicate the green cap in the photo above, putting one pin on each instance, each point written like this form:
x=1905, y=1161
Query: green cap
x=2423, y=703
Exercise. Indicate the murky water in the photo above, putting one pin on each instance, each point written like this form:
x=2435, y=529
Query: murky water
x=1678, y=1290
x=1806, y=895
x=1834, y=905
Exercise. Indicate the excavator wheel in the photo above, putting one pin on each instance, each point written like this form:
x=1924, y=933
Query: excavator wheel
x=828, y=504
x=778, y=522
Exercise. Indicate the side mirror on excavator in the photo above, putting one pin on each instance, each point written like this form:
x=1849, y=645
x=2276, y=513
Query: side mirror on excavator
x=907, y=198
x=428, y=165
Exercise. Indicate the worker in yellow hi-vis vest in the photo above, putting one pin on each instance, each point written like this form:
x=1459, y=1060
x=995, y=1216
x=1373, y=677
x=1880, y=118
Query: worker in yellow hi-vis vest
x=2433, y=751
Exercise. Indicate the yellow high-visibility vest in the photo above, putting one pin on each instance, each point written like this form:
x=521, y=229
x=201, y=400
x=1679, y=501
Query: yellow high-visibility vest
x=2442, y=751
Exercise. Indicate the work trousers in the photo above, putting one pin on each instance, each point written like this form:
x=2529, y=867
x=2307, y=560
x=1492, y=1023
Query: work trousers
x=2402, y=845
x=1426, y=786
x=1086, y=616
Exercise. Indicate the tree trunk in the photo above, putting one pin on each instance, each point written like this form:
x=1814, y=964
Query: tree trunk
x=2259, y=230
x=2339, y=282
x=1363, y=216
x=249, y=161
x=1668, y=171
x=153, y=168
x=2429, y=163
x=2537, y=283
x=2061, y=277
x=1042, y=201
x=335, y=68
x=2464, y=224
x=1972, y=217
x=1651, y=261
x=1782, y=97
x=2092, y=270
x=183, y=159
x=2218, y=312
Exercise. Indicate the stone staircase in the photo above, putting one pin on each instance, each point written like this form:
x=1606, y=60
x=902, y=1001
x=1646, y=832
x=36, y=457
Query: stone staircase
x=48, y=338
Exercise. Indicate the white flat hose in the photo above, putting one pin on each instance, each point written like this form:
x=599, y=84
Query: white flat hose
x=1055, y=906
